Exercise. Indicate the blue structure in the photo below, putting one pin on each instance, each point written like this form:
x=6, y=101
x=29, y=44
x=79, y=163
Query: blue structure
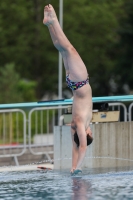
x=125, y=98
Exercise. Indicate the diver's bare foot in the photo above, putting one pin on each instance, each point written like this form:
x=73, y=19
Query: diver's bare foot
x=49, y=15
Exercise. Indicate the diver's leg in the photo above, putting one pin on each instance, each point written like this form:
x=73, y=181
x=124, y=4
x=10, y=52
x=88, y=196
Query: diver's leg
x=72, y=61
x=58, y=37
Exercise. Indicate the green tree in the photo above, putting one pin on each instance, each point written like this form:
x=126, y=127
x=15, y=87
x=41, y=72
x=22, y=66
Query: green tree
x=9, y=85
x=13, y=89
x=92, y=27
x=25, y=42
x=124, y=69
x=27, y=90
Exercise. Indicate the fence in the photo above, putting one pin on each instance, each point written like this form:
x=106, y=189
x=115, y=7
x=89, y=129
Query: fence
x=120, y=105
x=34, y=128
x=12, y=124
x=44, y=118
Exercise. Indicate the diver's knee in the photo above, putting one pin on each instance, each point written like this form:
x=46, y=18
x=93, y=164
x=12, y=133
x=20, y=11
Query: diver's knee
x=71, y=49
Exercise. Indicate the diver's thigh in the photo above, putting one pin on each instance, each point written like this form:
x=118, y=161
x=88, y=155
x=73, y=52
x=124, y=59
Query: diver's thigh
x=74, y=65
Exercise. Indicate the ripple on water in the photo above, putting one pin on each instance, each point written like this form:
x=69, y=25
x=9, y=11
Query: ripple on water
x=60, y=185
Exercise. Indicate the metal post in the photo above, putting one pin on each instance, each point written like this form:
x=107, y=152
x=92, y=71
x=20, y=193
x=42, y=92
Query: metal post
x=60, y=59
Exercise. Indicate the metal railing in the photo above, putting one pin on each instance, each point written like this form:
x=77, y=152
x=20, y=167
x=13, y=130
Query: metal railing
x=130, y=112
x=38, y=126
x=12, y=130
x=118, y=105
x=44, y=119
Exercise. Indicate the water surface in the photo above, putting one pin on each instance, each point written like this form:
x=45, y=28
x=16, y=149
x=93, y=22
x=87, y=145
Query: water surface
x=98, y=184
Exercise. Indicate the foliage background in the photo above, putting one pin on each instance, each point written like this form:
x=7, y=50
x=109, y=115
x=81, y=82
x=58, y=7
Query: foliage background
x=100, y=30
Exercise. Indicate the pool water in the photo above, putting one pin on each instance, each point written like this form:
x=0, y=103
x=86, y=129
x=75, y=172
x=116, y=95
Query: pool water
x=98, y=184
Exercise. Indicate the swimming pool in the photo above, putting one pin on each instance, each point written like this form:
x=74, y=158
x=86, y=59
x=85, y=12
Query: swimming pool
x=98, y=184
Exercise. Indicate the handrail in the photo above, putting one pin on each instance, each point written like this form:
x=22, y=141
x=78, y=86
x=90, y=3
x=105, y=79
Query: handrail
x=24, y=132
x=124, y=107
x=130, y=112
x=29, y=124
